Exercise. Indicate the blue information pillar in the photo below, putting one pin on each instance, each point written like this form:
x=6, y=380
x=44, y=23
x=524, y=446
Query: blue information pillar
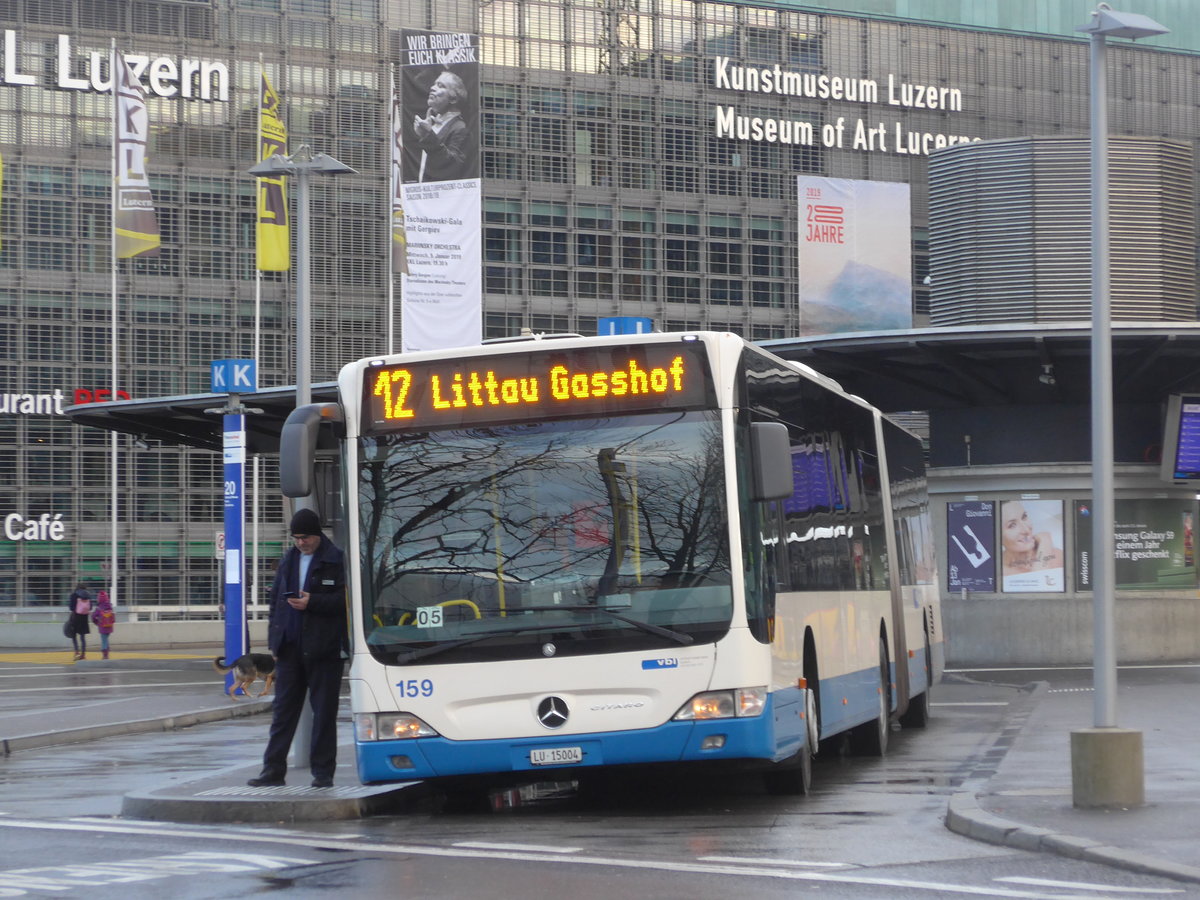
x=234, y=376
x=235, y=609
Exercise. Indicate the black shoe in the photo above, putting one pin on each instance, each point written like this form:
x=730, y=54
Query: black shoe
x=327, y=781
x=266, y=780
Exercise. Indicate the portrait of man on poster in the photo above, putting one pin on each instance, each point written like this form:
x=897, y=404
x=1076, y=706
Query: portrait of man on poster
x=442, y=140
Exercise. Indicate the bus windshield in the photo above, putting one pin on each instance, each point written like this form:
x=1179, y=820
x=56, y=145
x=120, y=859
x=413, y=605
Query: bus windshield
x=548, y=538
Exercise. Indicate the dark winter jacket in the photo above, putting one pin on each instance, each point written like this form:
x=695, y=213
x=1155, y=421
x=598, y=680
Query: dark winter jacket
x=323, y=623
x=80, y=620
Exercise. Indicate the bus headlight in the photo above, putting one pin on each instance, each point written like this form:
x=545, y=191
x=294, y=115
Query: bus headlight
x=725, y=704
x=390, y=727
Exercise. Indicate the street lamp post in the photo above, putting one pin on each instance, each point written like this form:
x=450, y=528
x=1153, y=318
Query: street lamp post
x=302, y=164
x=1107, y=768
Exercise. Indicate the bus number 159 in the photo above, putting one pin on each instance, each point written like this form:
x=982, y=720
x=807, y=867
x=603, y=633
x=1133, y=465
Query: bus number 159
x=414, y=688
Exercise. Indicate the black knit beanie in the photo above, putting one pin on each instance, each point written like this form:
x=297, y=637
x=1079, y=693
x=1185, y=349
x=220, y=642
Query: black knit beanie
x=305, y=521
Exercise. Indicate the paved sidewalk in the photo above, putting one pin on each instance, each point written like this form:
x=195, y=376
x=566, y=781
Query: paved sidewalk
x=186, y=692
x=1019, y=794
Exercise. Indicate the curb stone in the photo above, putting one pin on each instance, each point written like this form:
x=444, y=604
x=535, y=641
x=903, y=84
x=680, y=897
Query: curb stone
x=136, y=726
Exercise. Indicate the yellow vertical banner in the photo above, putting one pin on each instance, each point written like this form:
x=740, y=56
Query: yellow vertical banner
x=271, y=232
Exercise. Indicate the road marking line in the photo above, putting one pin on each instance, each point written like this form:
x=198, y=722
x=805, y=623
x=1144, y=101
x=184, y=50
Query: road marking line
x=216, y=685
x=222, y=828
x=41, y=673
x=691, y=868
x=81, y=876
x=67, y=657
x=978, y=703
x=750, y=860
x=532, y=848
x=1085, y=886
x=1069, y=668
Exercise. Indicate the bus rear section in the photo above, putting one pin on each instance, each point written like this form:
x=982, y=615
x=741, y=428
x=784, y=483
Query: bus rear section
x=847, y=588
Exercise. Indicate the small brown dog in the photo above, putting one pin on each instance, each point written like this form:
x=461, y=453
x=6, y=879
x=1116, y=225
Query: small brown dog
x=246, y=670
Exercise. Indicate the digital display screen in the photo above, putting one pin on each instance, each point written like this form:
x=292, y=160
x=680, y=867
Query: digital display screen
x=1187, y=449
x=545, y=383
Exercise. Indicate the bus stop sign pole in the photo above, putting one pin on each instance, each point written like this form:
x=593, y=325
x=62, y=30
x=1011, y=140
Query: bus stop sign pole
x=233, y=376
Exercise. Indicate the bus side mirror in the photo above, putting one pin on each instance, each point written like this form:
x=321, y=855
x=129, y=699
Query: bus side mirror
x=298, y=446
x=771, y=453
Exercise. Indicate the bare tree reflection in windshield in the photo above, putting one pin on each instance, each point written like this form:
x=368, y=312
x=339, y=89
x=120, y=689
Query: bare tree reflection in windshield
x=488, y=523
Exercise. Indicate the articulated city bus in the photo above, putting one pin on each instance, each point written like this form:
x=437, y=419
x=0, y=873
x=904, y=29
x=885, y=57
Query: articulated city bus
x=568, y=553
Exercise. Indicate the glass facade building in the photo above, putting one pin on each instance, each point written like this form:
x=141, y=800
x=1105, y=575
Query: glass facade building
x=638, y=158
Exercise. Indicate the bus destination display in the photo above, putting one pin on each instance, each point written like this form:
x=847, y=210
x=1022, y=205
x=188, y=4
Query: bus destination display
x=547, y=383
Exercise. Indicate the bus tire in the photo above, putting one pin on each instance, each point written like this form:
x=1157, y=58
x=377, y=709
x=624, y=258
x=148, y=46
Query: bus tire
x=871, y=738
x=917, y=714
x=792, y=777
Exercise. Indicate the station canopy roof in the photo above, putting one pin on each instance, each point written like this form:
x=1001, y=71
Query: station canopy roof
x=898, y=371
x=1001, y=365
x=187, y=420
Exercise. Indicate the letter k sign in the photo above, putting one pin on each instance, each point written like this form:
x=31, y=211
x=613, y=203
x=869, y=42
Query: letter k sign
x=234, y=376
x=243, y=375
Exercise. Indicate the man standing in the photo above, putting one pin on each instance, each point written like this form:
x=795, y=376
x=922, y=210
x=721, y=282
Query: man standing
x=307, y=635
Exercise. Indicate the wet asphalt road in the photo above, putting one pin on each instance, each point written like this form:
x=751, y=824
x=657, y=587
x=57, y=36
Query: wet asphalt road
x=873, y=828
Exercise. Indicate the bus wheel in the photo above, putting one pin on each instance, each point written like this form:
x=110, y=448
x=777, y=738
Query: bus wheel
x=871, y=738
x=917, y=714
x=792, y=777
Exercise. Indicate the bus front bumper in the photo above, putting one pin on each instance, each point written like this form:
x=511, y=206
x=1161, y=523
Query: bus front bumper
x=438, y=757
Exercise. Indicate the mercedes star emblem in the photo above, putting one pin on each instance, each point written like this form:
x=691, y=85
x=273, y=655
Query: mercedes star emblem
x=552, y=712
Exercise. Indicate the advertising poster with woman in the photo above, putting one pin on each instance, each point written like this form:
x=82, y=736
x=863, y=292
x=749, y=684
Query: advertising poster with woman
x=1031, y=544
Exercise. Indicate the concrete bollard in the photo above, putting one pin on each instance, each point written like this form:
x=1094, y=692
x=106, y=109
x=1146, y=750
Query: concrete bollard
x=1107, y=768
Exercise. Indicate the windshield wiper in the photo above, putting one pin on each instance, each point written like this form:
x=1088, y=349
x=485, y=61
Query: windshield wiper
x=436, y=649
x=424, y=652
x=678, y=636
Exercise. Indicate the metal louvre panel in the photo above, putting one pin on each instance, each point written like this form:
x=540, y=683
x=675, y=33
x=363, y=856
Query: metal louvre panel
x=1010, y=231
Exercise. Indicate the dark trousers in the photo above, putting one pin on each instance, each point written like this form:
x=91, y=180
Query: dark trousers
x=295, y=677
x=79, y=635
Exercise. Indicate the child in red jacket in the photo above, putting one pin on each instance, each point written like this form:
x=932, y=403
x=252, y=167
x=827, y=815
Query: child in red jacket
x=104, y=619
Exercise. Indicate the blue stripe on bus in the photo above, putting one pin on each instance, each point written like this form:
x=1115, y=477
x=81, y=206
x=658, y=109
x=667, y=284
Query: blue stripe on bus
x=860, y=691
x=918, y=679
x=774, y=735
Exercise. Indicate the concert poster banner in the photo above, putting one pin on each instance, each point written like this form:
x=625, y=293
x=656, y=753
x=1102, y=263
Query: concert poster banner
x=854, y=255
x=441, y=299
x=971, y=546
x=1154, y=545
